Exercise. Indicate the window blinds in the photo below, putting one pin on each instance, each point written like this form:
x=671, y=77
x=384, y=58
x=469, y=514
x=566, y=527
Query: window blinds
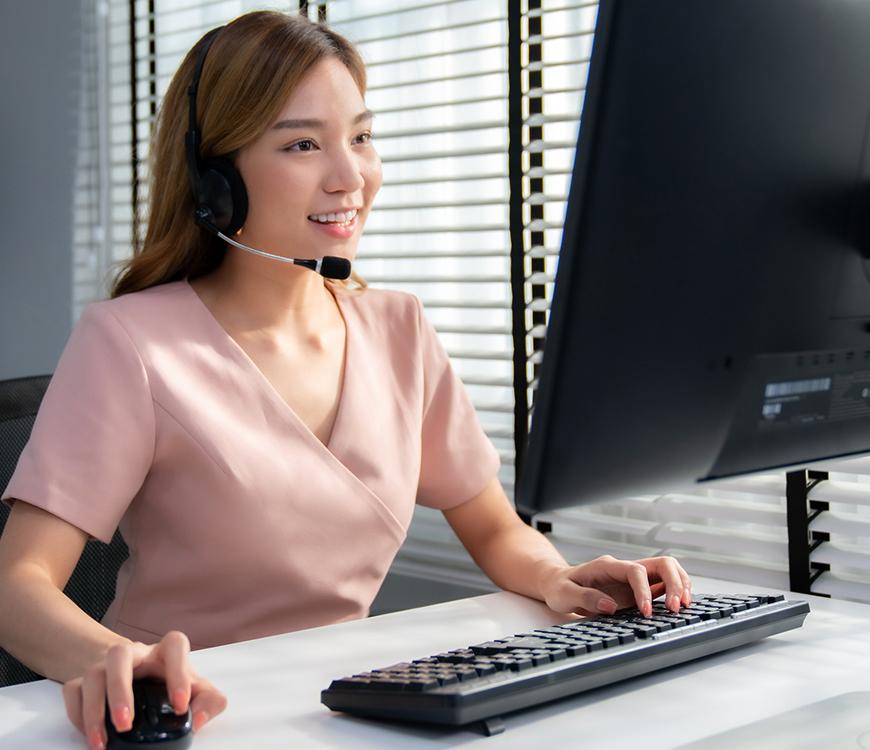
x=91, y=178
x=438, y=86
x=439, y=83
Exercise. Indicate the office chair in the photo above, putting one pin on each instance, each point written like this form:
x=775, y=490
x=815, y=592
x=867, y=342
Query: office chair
x=92, y=584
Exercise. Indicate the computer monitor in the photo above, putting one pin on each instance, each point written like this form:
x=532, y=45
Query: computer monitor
x=711, y=311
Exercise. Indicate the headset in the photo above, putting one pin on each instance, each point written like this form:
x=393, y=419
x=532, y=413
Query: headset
x=218, y=189
x=219, y=193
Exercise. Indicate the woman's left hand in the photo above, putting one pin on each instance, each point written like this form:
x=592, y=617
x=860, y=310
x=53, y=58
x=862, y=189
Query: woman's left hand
x=606, y=584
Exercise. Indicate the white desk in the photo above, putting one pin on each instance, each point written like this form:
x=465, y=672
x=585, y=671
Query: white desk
x=273, y=685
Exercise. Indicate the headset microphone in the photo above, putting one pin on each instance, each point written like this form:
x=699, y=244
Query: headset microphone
x=220, y=193
x=329, y=266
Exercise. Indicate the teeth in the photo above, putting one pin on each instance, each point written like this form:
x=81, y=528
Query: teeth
x=343, y=217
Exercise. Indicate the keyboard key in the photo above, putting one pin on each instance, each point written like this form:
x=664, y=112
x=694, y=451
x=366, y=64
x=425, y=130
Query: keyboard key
x=708, y=615
x=724, y=609
x=626, y=636
x=675, y=620
x=539, y=658
x=690, y=618
x=576, y=649
x=750, y=601
x=593, y=644
x=521, y=663
x=654, y=623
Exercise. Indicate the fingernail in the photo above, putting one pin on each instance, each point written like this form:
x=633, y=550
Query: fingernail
x=674, y=602
x=179, y=701
x=646, y=607
x=122, y=719
x=606, y=606
x=95, y=739
x=200, y=718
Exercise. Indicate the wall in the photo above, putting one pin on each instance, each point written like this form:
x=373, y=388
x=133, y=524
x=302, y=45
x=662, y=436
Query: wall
x=40, y=49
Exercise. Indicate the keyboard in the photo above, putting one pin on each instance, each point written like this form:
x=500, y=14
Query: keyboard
x=485, y=681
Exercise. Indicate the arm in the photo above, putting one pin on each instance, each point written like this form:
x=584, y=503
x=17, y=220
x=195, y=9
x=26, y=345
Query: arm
x=518, y=558
x=39, y=624
x=44, y=629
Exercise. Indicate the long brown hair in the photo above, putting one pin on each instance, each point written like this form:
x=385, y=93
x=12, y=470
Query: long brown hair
x=250, y=72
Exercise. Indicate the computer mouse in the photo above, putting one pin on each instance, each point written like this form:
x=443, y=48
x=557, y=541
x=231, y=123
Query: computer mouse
x=155, y=723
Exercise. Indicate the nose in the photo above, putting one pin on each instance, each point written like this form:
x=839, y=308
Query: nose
x=344, y=173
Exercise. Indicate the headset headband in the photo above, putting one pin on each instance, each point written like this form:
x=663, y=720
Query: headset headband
x=192, y=138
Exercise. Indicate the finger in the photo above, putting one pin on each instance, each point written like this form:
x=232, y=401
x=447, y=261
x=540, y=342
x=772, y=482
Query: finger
x=94, y=707
x=119, y=686
x=206, y=703
x=666, y=569
x=657, y=589
x=571, y=596
x=687, y=585
x=72, y=700
x=637, y=577
x=174, y=651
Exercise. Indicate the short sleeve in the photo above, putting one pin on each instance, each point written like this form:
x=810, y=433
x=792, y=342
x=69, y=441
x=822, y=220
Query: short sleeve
x=458, y=460
x=92, y=443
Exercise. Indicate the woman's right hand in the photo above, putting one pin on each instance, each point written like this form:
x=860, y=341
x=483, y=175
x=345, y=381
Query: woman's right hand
x=111, y=679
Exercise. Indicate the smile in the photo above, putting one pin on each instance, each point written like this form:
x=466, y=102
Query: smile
x=343, y=218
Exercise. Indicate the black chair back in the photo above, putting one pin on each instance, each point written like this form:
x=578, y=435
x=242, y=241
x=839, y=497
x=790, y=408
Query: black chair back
x=92, y=584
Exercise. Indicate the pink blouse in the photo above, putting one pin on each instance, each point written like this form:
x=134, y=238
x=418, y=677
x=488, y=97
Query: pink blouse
x=240, y=522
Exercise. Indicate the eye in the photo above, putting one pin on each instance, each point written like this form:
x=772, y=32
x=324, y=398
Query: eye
x=365, y=137
x=305, y=145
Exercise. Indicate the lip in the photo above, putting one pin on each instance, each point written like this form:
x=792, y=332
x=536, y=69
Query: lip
x=341, y=232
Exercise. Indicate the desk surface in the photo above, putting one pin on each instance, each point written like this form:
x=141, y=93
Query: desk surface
x=804, y=688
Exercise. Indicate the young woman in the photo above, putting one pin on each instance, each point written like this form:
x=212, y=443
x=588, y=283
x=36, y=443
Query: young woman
x=259, y=433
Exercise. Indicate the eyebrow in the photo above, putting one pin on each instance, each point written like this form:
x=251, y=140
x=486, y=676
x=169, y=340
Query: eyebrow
x=314, y=123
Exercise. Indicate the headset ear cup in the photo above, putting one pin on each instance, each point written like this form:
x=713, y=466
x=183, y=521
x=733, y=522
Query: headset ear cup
x=223, y=193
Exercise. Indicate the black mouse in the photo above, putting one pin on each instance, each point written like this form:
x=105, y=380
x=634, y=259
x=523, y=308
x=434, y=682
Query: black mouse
x=155, y=723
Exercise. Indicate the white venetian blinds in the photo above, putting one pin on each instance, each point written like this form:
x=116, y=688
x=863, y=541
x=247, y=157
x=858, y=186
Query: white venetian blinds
x=91, y=182
x=439, y=83
x=557, y=41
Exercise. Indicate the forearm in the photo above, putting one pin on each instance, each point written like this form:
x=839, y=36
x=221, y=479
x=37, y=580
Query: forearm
x=41, y=627
x=518, y=558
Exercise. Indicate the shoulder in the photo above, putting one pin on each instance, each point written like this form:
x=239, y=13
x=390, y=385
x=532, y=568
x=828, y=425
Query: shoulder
x=387, y=309
x=143, y=304
x=141, y=322
x=153, y=309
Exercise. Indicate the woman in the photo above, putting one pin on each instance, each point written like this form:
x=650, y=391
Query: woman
x=259, y=434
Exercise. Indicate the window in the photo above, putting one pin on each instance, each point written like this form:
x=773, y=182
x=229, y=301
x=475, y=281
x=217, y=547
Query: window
x=477, y=107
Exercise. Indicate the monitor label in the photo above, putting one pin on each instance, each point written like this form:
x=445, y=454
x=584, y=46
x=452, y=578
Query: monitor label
x=823, y=399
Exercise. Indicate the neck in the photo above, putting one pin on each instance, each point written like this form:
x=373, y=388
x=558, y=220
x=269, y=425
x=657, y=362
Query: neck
x=253, y=293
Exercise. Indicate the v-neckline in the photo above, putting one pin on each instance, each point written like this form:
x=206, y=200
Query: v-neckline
x=270, y=388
